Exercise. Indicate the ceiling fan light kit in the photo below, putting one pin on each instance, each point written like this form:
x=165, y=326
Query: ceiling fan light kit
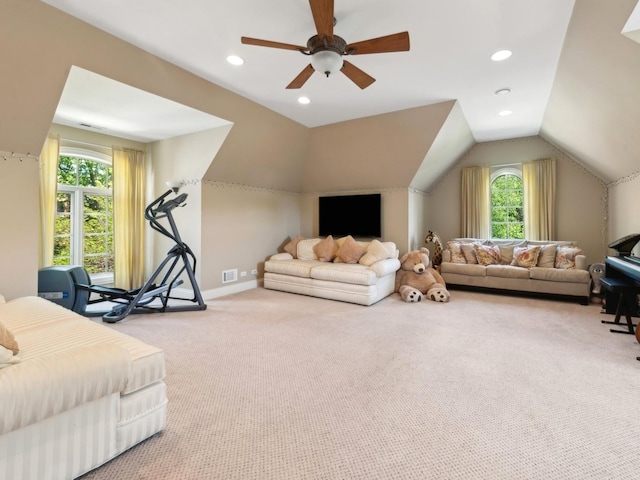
x=326, y=49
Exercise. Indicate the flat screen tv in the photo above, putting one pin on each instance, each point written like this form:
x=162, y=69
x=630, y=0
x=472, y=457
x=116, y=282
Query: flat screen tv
x=355, y=215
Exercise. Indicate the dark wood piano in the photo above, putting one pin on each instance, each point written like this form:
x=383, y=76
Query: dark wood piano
x=626, y=264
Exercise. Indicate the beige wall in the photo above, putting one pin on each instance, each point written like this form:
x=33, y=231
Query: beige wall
x=623, y=199
x=580, y=208
x=242, y=226
x=19, y=207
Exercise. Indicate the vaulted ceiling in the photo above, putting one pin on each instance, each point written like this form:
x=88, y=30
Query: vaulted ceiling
x=573, y=76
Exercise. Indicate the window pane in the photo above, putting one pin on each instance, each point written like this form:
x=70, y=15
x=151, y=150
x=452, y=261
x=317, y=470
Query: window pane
x=507, y=215
x=67, y=171
x=64, y=202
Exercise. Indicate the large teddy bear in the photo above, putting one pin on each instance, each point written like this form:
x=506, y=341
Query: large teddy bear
x=417, y=278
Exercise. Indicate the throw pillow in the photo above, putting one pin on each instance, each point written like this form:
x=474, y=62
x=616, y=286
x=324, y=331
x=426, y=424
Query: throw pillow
x=526, y=257
x=7, y=340
x=547, y=256
x=455, y=249
x=469, y=252
x=487, y=255
x=566, y=257
x=292, y=246
x=350, y=251
x=326, y=249
x=376, y=251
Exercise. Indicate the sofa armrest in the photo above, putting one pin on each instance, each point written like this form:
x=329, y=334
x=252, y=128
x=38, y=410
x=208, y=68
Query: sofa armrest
x=446, y=256
x=581, y=262
x=42, y=387
x=385, y=267
x=281, y=256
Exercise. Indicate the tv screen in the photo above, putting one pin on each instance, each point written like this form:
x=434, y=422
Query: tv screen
x=355, y=215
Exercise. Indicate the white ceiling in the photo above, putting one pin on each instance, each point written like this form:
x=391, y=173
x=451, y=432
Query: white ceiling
x=451, y=42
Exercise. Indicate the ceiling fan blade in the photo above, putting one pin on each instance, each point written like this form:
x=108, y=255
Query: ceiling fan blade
x=398, y=42
x=322, y=11
x=269, y=43
x=302, y=77
x=357, y=76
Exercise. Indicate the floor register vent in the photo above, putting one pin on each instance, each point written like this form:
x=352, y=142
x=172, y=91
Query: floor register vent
x=229, y=276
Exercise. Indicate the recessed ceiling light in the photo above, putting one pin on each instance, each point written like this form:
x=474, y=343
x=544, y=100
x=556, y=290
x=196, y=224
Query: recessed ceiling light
x=505, y=113
x=304, y=100
x=501, y=55
x=235, y=60
x=503, y=91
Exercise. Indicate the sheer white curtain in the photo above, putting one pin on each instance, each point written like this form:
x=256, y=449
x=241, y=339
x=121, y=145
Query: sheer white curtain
x=476, y=202
x=48, y=194
x=129, y=182
x=539, y=179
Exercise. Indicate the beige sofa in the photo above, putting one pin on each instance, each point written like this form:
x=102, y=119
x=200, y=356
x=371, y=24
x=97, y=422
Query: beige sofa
x=546, y=267
x=367, y=279
x=76, y=395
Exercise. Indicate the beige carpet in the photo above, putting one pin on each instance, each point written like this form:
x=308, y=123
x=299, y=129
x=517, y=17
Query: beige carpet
x=270, y=385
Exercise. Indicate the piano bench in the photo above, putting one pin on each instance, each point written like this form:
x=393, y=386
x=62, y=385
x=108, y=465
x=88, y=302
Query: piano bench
x=628, y=291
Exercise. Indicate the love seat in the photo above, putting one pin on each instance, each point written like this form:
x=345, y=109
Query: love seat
x=344, y=269
x=549, y=267
x=77, y=393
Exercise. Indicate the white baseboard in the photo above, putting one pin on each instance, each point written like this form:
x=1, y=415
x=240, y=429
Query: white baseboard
x=219, y=292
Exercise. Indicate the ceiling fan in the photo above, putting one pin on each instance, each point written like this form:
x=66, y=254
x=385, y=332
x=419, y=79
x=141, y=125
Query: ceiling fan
x=326, y=49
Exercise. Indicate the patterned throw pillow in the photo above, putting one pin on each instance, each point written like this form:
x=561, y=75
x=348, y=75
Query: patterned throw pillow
x=526, y=257
x=292, y=246
x=566, y=257
x=456, y=252
x=487, y=254
x=469, y=252
x=326, y=249
x=350, y=251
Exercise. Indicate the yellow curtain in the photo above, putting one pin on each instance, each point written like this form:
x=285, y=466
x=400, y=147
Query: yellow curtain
x=539, y=179
x=48, y=193
x=476, y=202
x=129, y=179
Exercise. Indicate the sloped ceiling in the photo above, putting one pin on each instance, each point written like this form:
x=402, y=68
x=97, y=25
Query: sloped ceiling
x=594, y=108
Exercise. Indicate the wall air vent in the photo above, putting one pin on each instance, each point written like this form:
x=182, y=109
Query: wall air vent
x=229, y=276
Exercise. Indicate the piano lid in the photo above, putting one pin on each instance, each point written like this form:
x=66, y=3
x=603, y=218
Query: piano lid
x=626, y=244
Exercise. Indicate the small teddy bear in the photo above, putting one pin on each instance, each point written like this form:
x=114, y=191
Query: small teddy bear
x=417, y=278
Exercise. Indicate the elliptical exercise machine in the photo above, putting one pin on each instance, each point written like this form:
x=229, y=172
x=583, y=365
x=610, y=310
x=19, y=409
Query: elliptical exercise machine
x=152, y=297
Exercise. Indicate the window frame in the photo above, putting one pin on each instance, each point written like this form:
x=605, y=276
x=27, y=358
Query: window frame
x=495, y=174
x=77, y=194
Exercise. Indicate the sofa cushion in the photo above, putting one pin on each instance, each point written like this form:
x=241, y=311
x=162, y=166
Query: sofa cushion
x=566, y=257
x=547, y=256
x=292, y=246
x=526, y=257
x=47, y=385
x=464, y=269
x=376, y=251
x=560, y=275
x=344, y=273
x=507, y=271
x=326, y=249
x=305, y=249
x=295, y=268
x=350, y=251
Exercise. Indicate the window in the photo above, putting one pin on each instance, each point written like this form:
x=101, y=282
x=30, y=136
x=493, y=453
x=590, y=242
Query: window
x=84, y=218
x=507, y=204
